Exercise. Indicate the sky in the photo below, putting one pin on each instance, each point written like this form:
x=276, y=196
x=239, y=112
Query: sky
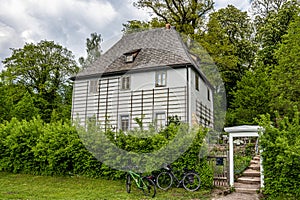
x=70, y=22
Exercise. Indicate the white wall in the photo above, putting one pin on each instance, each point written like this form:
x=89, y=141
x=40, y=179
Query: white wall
x=115, y=102
x=201, y=95
x=146, y=80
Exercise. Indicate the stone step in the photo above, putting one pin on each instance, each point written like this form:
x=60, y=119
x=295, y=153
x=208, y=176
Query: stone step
x=254, y=166
x=251, y=172
x=254, y=162
x=246, y=188
x=257, y=157
x=249, y=180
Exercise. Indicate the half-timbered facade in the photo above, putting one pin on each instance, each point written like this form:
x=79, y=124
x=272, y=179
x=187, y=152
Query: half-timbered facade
x=149, y=75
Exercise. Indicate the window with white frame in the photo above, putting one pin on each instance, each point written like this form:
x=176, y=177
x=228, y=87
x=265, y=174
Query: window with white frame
x=160, y=78
x=129, y=58
x=196, y=82
x=125, y=83
x=93, y=86
x=208, y=94
x=124, y=122
x=160, y=120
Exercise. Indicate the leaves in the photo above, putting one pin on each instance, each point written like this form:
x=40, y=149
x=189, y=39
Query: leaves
x=280, y=145
x=41, y=71
x=186, y=15
x=93, y=50
x=287, y=73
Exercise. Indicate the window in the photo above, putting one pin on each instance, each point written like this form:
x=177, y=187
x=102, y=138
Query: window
x=93, y=87
x=208, y=94
x=125, y=83
x=131, y=55
x=124, y=122
x=129, y=58
x=160, y=120
x=160, y=78
x=196, y=82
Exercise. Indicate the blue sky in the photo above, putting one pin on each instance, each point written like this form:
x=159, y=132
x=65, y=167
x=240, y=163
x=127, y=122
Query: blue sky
x=70, y=22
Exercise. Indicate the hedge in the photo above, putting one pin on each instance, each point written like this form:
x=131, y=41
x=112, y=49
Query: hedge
x=281, y=157
x=55, y=148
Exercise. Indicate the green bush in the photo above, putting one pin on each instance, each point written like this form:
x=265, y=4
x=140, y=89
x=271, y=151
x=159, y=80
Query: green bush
x=55, y=148
x=46, y=149
x=281, y=157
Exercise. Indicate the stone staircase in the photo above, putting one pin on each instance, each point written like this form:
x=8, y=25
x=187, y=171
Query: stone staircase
x=249, y=182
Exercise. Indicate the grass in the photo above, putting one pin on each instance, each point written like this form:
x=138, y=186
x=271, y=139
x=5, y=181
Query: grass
x=24, y=186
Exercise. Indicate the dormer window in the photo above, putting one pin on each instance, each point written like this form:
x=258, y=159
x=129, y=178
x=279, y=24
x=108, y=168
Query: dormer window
x=129, y=58
x=131, y=55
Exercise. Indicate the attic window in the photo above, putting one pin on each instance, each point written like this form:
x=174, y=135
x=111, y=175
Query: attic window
x=131, y=55
x=128, y=58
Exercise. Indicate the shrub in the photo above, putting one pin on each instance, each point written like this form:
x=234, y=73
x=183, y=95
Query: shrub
x=281, y=157
x=55, y=148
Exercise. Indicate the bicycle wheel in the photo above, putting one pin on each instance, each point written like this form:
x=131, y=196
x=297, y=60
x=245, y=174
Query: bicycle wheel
x=148, y=187
x=128, y=183
x=191, y=181
x=164, y=180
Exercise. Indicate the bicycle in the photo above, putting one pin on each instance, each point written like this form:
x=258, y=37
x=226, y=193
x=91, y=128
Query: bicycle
x=143, y=183
x=190, y=181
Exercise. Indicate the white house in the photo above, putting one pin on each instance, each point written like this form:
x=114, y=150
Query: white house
x=148, y=75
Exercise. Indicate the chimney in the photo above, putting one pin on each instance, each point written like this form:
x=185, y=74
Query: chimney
x=168, y=26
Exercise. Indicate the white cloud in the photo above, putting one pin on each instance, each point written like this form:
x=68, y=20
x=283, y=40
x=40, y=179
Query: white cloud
x=69, y=22
x=240, y=4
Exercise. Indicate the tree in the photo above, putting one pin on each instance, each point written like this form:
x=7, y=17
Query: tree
x=263, y=7
x=273, y=84
x=93, y=50
x=270, y=30
x=43, y=71
x=186, y=15
x=251, y=99
x=136, y=25
x=286, y=75
x=228, y=39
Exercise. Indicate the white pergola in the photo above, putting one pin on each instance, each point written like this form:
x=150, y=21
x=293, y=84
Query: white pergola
x=241, y=131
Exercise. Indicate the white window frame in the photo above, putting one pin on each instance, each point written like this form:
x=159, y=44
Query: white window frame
x=94, y=86
x=129, y=58
x=208, y=94
x=160, y=123
x=160, y=78
x=125, y=82
x=121, y=122
x=197, y=83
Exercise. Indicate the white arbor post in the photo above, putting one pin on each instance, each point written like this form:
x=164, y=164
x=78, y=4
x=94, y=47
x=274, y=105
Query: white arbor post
x=240, y=131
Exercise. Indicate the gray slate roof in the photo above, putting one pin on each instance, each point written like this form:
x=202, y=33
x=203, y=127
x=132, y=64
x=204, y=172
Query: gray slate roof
x=158, y=47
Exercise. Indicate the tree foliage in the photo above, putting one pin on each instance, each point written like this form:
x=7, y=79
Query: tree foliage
x=251, y=99
x=272, y=84
x=93, y=50
x=186, y=15
x=229, y=41
x=270, y=30
x=136, y=25
x=263, y=7
x=43, y=71
x=286, y=75
x=280, y=143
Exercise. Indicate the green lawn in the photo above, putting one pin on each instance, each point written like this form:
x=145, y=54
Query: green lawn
x=23, y=186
